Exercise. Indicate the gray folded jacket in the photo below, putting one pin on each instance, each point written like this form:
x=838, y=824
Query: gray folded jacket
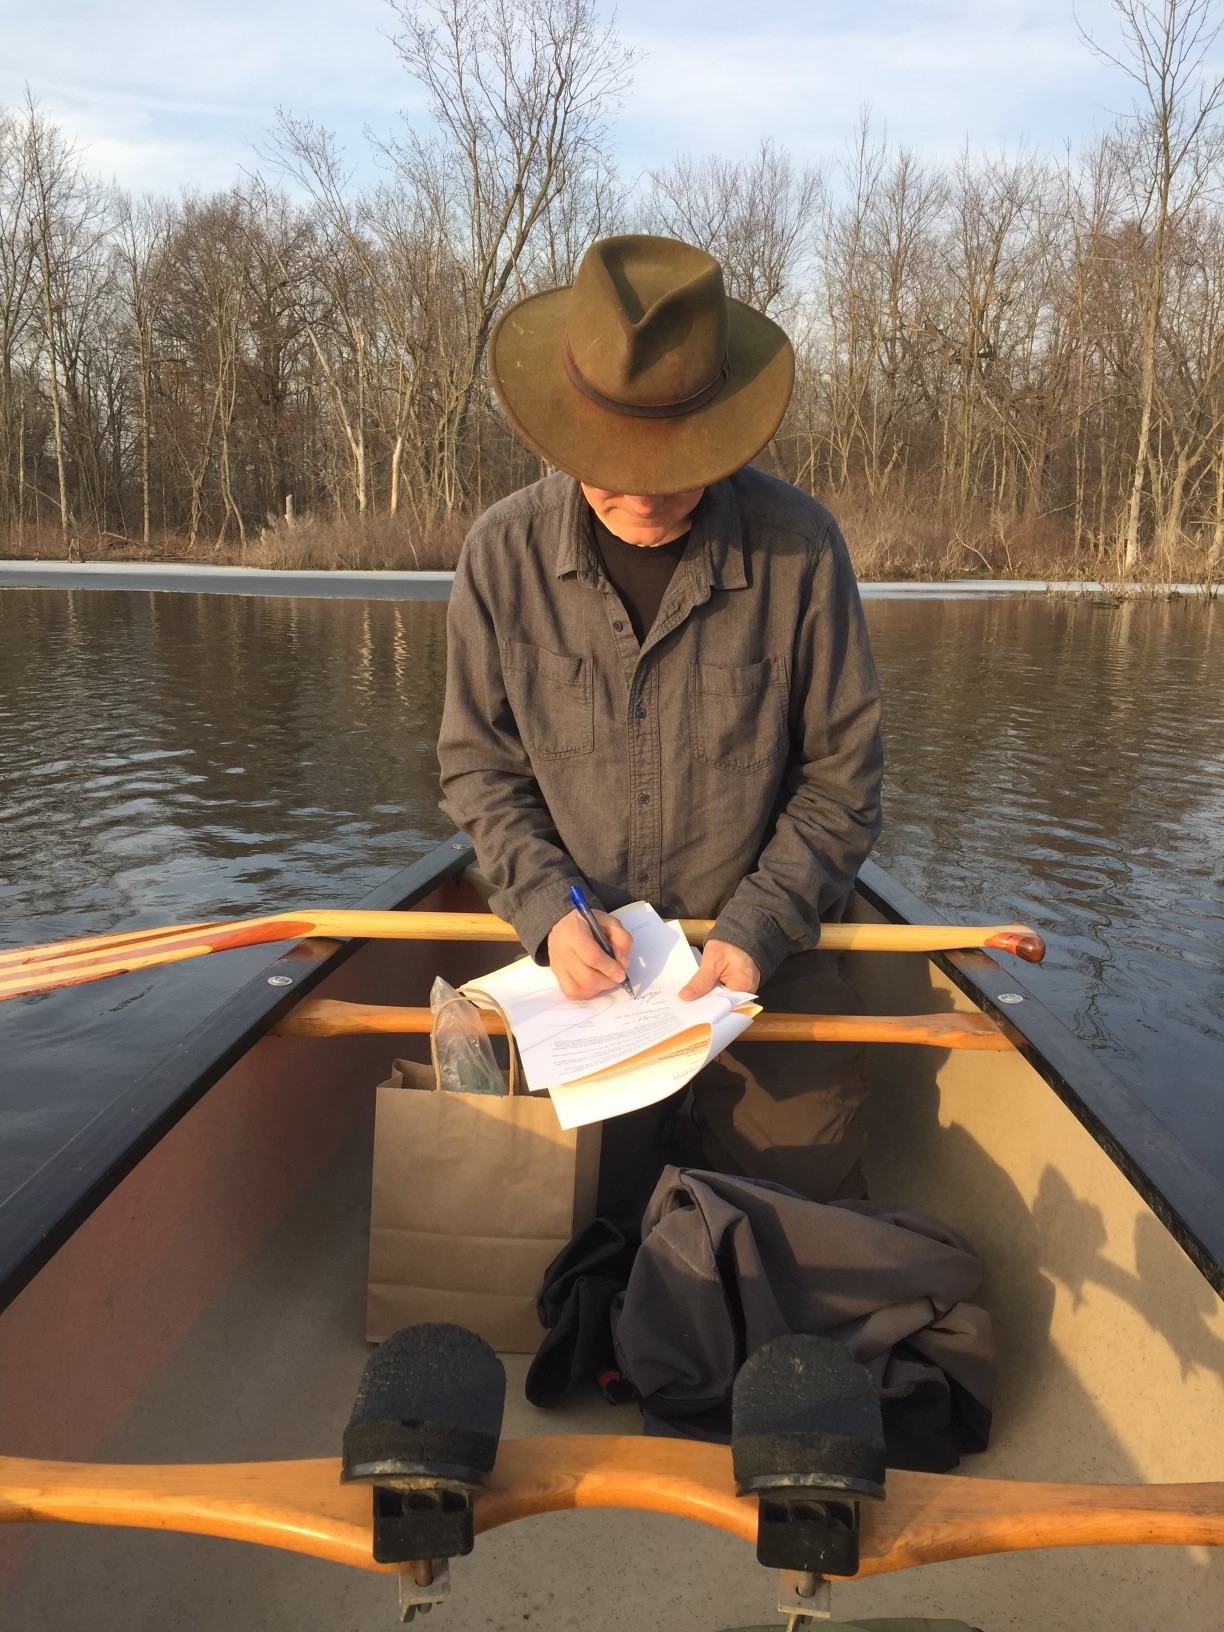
x=726, y=1264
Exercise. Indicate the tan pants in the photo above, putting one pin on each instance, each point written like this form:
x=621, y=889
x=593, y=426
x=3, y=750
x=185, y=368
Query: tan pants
x=788, y=1112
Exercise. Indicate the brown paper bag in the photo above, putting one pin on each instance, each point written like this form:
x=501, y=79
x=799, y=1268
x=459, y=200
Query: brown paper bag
x=473, y=1196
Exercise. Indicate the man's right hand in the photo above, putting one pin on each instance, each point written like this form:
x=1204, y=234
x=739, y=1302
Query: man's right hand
x=582, y=970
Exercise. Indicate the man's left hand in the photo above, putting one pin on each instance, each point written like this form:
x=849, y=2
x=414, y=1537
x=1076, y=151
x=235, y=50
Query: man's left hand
x=720, y=961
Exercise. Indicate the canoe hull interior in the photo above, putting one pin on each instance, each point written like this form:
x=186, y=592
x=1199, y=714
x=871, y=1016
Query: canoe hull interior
x=211, y=1307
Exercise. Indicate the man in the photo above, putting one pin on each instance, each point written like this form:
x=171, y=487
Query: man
x=659, y=682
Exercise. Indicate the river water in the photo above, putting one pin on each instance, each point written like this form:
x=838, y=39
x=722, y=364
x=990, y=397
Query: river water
x=169, y=757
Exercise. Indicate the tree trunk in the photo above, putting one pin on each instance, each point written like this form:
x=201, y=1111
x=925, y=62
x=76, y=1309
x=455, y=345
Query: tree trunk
x=1131, y=548
x=145, y=440
x=1215, y=556
x=56, y=418
x=1171, y=520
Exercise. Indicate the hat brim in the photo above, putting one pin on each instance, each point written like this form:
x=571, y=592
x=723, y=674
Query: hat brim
x=623, y=453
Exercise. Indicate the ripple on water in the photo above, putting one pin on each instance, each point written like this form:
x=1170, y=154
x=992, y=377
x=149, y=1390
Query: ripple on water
x=180, y=757
x=1085, y=793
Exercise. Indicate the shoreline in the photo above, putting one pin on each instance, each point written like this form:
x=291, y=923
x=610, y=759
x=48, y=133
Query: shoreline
x=173, y=576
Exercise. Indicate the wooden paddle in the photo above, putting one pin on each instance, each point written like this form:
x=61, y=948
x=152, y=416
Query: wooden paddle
x=51, y=965
x=302, y=1507
x=328, y=1017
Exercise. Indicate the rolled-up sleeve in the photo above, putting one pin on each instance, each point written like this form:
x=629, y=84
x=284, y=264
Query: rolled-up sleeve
x=488, y=789
x=831, y=816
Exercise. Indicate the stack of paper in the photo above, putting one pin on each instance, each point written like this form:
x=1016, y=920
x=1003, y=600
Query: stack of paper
x=612, y=1054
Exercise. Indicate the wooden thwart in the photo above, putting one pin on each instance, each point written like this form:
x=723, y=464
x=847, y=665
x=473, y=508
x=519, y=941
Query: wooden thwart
x=328, y=1017
x=70, y=963
x=302, y=1507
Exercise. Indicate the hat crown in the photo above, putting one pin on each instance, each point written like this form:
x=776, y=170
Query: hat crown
x=647, y=322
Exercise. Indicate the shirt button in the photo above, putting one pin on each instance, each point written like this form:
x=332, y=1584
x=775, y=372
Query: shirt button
x=618, y=626
x=641, y=713
x=643, y=798
x=643, y=878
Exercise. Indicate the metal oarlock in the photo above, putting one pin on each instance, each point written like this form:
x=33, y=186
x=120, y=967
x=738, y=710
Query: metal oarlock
x=802, y=1598
x=807, y=1441
x=424, y=1433
x=422, y=1584
x=421, y=1521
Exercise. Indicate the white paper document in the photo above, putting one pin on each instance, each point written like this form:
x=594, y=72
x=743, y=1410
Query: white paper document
x=615, y=1053
x=645, y=1080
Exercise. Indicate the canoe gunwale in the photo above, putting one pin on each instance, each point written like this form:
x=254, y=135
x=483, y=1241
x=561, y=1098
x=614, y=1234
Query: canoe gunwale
x=1185, y=1198
x=43, y=1213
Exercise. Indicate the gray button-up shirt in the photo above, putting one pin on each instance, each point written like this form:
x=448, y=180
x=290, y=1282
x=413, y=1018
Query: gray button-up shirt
x=728, y=767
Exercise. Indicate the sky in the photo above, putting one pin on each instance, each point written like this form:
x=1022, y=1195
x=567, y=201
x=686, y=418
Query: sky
x=162, y=96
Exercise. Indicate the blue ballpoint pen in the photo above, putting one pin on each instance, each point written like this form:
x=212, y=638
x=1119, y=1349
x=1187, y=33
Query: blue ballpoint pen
x=583, y=907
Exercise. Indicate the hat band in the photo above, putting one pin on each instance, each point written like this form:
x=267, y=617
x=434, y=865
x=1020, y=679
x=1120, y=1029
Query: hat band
x=641, y=410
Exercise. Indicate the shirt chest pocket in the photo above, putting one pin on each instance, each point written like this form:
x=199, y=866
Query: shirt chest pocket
x=738, y=715
x=552, y=697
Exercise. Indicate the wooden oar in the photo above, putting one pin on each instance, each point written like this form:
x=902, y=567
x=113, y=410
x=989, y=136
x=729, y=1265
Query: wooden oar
x=483, y=926
x=50, y=965
x=328, y=1017
x=302, y=1507
x=43, y=951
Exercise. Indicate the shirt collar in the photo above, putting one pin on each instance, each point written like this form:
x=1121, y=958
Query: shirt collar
x=717, y=528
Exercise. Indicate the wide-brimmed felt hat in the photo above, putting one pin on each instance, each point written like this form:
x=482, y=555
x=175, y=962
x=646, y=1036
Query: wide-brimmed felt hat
x=642, y=376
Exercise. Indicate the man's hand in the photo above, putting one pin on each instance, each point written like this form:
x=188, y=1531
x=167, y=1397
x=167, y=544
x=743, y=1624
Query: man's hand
x=582, y=970
x=720, y=961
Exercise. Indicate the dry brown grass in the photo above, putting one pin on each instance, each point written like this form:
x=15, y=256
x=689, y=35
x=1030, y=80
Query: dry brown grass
x=904, y=539
x=380, y=543
x=898, y=537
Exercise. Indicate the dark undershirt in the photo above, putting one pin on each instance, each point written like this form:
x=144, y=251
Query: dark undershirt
x=639, y=572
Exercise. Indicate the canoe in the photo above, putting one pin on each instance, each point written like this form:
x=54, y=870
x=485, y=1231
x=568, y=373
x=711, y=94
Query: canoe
x=184, y=1284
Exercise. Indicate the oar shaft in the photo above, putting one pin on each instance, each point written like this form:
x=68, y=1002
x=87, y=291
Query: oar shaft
x=484, y=926
x=39, y=969
x=328, y=1017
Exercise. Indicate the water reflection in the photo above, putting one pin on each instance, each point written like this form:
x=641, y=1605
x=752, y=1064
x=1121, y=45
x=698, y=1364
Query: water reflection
x=1064, y=763
x=168, y=757
x=171, y=754
x=171, y=757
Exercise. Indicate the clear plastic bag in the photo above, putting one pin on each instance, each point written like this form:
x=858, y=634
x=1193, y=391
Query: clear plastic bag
x=463, y=1054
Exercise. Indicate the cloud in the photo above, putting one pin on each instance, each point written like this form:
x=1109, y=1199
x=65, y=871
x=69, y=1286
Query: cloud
x=934, y=73
x=161, y=95
x=165, y=95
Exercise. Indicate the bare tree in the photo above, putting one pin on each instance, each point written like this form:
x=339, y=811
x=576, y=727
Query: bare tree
x=50, y=164
x=17, y=286
x=1173, y=149
x=756, y=216
x=995, y=348
x=142, y=233
x=519, y=91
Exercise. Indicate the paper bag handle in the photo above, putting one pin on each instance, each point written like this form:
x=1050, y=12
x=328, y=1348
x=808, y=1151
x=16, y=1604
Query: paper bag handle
x=480, y=1000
